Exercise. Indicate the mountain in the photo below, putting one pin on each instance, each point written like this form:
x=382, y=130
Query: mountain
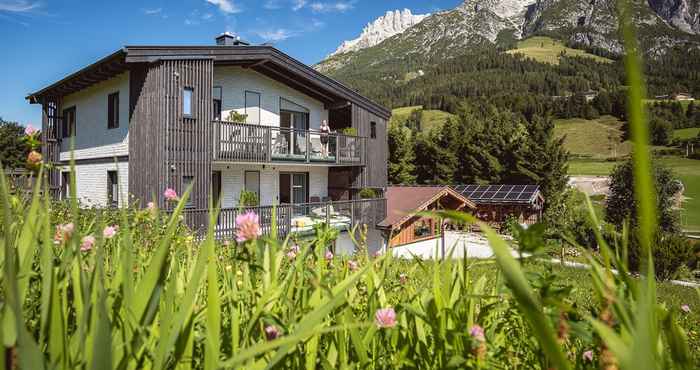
x=590, y=24
x=392, y=23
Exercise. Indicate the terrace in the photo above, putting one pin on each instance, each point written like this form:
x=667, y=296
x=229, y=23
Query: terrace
x=248, y=143
x=298, y=219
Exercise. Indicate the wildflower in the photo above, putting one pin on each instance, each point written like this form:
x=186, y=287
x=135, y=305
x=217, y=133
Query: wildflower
x=353, y=266
x=110, y=231
x=170, y=194
x=63, y=233
x=385, y=318
x=291, y=255
x=329, y=256
x=229, y=267
x=87, y=243
x=403, y=278
x=588, y=356
x=477, y=332
x=34, y=158
x=685, y=308
x=30, y=130
x=151, y=206
x=377, y=254
x=271, y=332
x=227, y=243
x=247, y=227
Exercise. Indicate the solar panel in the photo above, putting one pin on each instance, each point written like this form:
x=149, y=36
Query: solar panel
x=498, y=193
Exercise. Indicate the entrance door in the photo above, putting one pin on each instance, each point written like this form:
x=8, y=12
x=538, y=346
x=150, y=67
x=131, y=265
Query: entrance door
x=294, y=188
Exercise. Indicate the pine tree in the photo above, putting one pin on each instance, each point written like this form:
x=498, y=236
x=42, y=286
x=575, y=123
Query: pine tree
x=401, y=155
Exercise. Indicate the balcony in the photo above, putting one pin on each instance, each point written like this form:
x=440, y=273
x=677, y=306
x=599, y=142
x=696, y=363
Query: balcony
x=240, y=142
x=299, y=219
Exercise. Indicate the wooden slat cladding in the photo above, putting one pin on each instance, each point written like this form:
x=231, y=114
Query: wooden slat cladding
x=374, y=174
x=165, y=146
x=50, y=144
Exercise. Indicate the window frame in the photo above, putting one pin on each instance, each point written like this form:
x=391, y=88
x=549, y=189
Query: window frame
x=245, y=106
x=218, y=102
x=112, y=193
x=245, y=181
x=189, y=89
x=68, y=128
x=373, y=130
x=185, y=185
x=65, y=185
x=113, y=110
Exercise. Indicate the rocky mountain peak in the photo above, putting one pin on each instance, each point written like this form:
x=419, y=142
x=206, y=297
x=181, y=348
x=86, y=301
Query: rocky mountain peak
x=388, y=25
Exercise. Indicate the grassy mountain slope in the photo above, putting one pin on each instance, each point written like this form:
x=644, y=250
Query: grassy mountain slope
x=548, y=50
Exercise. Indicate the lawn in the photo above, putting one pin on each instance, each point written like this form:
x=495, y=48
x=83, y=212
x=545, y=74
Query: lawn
x=688, y=170
x=548, y=50
x=686, y=133
x=430, y=118
x=599, y=138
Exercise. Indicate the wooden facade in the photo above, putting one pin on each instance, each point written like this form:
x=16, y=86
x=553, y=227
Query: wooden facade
x=405, y=225
x=168, y=149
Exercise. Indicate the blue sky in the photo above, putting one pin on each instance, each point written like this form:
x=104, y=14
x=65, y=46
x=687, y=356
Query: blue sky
x=43, y=41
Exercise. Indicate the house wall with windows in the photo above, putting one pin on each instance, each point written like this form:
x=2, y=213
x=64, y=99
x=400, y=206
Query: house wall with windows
x=93, y=138
x=91, y=182
x=233, y=181
x=235, y=81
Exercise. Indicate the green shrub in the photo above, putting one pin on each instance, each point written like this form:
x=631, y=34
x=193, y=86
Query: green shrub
x=368, y=193
x=236, y=117
x=248, y=199
x=351, y=131
x=671, y=251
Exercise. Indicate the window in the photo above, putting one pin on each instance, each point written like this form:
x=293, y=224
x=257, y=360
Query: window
x=68, y=127
x=187, y=181
x=217, y=97
x=373, y=130
x=187, y=95
x=112, y=189
x=113, y=110
x=252, y=182
x=252, y=107
x=65, y=185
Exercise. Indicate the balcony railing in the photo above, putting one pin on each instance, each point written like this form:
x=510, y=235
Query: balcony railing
x=240, y=142
x=295, y=218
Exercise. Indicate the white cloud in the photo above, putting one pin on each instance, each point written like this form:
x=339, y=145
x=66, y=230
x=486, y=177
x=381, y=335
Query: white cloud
x=18, y=6
x=298, y=4
x=226, y=6
x=152, y=11
x=273, y=4
x=340, y=7
x=277, y=35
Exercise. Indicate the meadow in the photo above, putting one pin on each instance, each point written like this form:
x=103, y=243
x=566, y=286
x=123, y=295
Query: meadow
x=547, y=50
x=134, y=289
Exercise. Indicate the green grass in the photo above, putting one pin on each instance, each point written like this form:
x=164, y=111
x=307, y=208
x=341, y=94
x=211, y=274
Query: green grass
x=430, y=118
x=548, y=50
x=687, y=170
x=686, y=133
x=599, y=138
x=684, y=103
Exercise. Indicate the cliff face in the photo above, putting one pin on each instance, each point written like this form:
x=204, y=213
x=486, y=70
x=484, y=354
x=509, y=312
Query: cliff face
x=392, y=23
x=590, y=23
x=682, y=14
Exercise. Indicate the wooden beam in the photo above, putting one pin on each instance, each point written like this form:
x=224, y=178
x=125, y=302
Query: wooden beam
x=257, y=64
x=338, y=105
x=294, y=83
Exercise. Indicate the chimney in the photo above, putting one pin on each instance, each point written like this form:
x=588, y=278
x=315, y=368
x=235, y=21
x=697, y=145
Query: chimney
x=228, y=39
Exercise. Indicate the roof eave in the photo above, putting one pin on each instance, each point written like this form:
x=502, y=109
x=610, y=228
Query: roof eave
x=35, y=97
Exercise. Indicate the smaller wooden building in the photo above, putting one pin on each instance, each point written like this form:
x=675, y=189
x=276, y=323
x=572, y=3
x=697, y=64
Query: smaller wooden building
x=404, y=225
x=496, y=203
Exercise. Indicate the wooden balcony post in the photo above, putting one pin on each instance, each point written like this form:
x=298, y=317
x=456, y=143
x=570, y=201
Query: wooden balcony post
x=268, y=132
x=308, y=145
x=337, y=149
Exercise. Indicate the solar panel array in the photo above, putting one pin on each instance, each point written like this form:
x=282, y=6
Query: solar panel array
x=499, y=193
